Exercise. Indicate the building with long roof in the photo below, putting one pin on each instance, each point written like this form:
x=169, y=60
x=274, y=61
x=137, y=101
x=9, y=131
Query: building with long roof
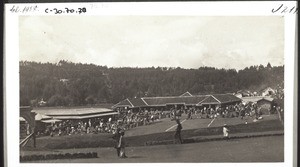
x=184, y=100
x=75, y=113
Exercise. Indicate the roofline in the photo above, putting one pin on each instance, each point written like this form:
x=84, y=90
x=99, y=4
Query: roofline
x=144, y=101
x=174, y=103
x=202, y=101
x=114, y=105
x=76, y=117
x=130, y=102
x=175, y=96
x=216, y=98
x=80, y=114
x=209, y=103
x=125, y=105
x=165, y=97
x=266, y=99
x=163, y=105
x=231, y=101
x=185, y=93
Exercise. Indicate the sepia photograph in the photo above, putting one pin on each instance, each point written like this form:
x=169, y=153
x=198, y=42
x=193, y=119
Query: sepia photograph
x=149, y=86
x=118, y=88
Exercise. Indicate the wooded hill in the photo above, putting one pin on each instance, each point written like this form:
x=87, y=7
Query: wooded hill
x=76, y=84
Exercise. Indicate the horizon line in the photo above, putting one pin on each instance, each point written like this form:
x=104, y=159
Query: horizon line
x=146, y=67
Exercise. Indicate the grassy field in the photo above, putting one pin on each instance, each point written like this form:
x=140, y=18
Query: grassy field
x=159, y=131
x=261, y=149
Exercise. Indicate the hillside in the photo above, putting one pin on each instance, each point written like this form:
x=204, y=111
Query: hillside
x=75, y=84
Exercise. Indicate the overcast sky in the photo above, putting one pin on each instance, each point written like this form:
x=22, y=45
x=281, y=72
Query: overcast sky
x=146, y=41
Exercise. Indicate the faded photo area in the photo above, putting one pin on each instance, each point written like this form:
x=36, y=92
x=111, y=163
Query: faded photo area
x=147, y=89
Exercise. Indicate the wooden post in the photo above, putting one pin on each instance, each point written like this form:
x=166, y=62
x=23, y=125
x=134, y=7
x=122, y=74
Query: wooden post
x=34, y=137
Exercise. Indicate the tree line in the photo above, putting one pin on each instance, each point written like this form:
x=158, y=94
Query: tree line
x=75, y=84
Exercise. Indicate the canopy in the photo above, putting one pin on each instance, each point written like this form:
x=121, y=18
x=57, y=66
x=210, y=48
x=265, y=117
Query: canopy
x=39, y=117
x=51, y=120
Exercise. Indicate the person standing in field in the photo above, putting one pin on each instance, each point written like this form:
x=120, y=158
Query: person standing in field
x=178, y=132
x=225, y=132
x=120, y=142
x=116, y=137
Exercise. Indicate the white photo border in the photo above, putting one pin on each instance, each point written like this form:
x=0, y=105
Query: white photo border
x=11, y=60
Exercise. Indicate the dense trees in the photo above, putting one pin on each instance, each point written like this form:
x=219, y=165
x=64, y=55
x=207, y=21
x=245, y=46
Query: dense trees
x=72, y=84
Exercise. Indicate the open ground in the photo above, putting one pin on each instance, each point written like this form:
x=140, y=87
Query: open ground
x=259, y=149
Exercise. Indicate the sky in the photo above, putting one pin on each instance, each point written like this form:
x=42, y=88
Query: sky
x=230, y=42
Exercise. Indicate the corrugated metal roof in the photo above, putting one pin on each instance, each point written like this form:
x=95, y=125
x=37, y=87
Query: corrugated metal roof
x=225, y=98
x=84, y=117
x=210, y=100
x=188, y=100
x=123, y=103
x=137, y=102
x=71, y=111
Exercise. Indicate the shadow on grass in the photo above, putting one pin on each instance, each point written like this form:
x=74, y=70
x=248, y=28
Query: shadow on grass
x=135, y=157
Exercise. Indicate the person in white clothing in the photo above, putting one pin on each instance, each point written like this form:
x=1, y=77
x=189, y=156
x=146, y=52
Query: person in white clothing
x=225, y=132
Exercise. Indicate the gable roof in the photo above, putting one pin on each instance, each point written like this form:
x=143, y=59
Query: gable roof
x=137, y=102
x=210, y=100
x=124, y=103
x=186, y=100
x=226, y=98
x=186, y=94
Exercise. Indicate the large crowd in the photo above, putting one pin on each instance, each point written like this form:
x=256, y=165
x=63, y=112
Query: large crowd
x=128, y=119
x=230, y=111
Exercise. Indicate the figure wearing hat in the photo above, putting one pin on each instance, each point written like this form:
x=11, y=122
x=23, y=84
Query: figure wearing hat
x=226, y=132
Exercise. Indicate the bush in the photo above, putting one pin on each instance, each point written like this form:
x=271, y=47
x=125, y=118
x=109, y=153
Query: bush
x=57, y=156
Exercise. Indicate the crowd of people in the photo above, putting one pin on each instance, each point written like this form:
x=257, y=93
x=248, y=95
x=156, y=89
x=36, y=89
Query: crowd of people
x=238, y=110
x=128, y=118
x=71, y=127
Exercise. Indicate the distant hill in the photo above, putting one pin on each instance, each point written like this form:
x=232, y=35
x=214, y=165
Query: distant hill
x=75, y=84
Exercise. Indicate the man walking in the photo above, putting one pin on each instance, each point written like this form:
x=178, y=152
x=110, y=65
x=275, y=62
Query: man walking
x=178, y=132
x=120, y=142
x=116, y=137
